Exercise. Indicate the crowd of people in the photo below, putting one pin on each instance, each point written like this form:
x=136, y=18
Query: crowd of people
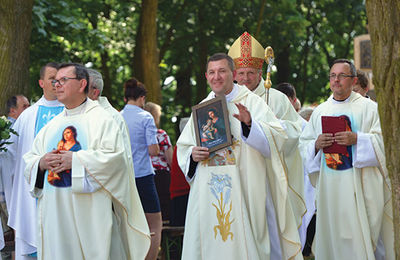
x=82, y=180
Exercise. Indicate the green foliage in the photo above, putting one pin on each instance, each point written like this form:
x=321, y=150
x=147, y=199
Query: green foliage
x=306, y=36
x=332, y=26
x=5, y=133
x=97, y=33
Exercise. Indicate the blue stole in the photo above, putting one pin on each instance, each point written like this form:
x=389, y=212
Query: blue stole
x=44, y=115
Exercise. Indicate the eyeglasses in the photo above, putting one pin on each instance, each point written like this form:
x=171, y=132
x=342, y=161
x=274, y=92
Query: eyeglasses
x=61, y=81
x=340, y=76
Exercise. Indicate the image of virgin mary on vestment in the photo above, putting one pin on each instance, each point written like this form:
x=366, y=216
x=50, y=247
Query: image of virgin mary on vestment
x=68, y=142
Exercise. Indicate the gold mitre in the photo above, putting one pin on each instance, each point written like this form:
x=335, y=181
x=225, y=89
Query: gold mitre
x=247, y=52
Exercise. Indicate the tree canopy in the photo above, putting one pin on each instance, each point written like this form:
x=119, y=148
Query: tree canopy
x=305, y=35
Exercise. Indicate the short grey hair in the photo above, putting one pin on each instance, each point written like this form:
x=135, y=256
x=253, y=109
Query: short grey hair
x=306, y=113
x=96, y=79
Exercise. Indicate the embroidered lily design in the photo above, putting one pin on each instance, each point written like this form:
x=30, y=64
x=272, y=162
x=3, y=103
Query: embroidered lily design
x=47, y=117
x=220, y=186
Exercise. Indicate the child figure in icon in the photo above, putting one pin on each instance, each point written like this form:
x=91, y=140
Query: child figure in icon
x=68, y=142
x=209, y=130
x=214, y=127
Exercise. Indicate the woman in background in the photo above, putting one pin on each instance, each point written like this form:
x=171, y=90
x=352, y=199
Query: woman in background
x=162, y=161
x=143, y=132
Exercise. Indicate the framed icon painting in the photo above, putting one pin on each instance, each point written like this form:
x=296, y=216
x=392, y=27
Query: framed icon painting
x=211, y=122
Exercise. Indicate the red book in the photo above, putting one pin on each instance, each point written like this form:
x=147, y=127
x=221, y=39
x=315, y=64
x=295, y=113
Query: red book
x=334, y=124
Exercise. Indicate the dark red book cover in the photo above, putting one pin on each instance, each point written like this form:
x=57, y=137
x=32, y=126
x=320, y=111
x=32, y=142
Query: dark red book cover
x=334, y=124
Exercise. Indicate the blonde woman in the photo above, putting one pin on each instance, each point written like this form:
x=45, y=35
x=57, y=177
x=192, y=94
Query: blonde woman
x=162, y=161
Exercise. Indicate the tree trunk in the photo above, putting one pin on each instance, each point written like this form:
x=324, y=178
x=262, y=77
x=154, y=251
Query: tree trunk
x=15, y=33
x=260, y=18
x=384, y=28
x=146, y=62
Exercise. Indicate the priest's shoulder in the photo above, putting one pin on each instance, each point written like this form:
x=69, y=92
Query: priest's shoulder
x=369, y=103
x=96, y=110
x=97, y=113
x=324, y=104
x=320, y=110
x=27, y=113
x=365, y=104
x=254, y=97
x=25, y=118
x=277, y=94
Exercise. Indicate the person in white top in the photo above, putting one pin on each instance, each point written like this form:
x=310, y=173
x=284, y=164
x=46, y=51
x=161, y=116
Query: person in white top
x=95, y=211
x=248, y=55
x=238, y=198
x=353, y=193
x=22, y=207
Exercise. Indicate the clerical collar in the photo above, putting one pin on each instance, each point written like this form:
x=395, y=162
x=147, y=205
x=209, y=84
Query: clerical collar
x=77, y=110
x=341, y=101
x=50, y=103
x=232, y=94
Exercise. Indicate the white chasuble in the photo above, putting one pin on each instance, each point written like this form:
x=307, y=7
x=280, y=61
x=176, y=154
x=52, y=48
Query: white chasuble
x=22, y=206
x=291, y=158
x=354, y=207
x=227, y=216
x=93, y=210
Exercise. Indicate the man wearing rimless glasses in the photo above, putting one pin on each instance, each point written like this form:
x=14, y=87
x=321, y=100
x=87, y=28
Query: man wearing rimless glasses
x=353, y=196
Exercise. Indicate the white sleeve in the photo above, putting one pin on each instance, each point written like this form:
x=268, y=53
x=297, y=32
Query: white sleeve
x=34, y=191
x=312, y=161
x=7, y=166
x=282, y=122
x=82, y=182
x=257, y=139
x=364, y=153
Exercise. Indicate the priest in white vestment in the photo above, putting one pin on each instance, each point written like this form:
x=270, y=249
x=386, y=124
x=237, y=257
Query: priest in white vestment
x=353, y=194
x=80, y=172
x=15, y=106
x=238, y=198
x=22, y=206
x=248, y=55
x=96, y=85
